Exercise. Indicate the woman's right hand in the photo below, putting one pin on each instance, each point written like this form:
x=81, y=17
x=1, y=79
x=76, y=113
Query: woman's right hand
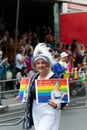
x=52, y=103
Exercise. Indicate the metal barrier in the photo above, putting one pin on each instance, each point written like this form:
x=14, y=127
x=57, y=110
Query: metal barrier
x=11, y=104
x=2, y=92
x=78, y=90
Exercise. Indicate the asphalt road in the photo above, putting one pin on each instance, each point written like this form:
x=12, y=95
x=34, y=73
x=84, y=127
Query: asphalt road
x=71, y=119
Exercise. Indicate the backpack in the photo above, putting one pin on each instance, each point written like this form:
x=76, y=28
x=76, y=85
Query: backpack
x=9, y=75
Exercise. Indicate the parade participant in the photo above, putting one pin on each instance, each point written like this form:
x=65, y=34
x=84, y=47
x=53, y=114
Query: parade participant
x=45, y=116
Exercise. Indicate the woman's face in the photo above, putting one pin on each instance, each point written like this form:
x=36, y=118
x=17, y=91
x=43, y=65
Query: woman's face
x=41, y=65
x=65, y=59
x=57, y=85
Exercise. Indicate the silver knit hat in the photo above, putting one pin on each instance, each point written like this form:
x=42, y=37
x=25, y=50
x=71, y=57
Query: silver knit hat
x=40, y=56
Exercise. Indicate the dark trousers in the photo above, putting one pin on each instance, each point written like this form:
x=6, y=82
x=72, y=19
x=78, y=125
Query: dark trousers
x=2, y=86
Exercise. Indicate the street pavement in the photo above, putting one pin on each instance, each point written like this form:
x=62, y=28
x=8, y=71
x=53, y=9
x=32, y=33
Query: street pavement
x=73, y=117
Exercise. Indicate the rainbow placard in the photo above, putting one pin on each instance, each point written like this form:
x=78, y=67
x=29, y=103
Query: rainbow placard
x=23, y=92
x=44, y=89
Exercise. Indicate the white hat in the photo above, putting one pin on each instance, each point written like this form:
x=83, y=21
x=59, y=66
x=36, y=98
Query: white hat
x=40, y=56
x=63, y=54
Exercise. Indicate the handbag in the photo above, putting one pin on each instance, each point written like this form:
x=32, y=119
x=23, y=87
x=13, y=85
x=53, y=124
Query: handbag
x=9, y=75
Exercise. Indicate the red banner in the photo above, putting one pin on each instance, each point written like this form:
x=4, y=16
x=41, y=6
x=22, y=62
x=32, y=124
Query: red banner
x=74, y=26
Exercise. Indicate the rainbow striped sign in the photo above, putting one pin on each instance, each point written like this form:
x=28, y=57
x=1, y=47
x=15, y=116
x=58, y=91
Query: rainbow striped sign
x=45, y=87
x=24, y=84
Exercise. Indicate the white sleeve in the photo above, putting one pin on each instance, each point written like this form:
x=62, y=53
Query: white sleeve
x=18, y=75
x=58, y=105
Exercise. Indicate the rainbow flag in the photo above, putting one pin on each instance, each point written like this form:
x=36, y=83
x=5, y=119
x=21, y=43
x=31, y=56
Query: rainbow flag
x=45, y=87
x=24, y=84
x=75, y=73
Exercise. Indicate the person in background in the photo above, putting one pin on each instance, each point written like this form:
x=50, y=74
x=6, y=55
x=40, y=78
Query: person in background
x=20, y=60
x=49, y=37
x=28, y=45
x=28, y=62
x=56, y=56
x=66, y=64
x=11, y=49
x=57, y=68
x=44, y=116
x=69, y=52
x=59, y=47
x=74, y=45
x=63, y=59
x=22, y=74
x=3, y=69
x=35, y=39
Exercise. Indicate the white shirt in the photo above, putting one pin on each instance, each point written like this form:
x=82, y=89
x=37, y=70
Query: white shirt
x=63, y=64
x=19, y=65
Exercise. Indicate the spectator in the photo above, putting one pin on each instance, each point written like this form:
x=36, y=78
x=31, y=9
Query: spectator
x=28, y=63
x=49, y=38
x=28, y=45
x=22, y=74
x=63, y=59
x=20, y=60
x=69, y=52
x=74, y=45
x=3, y=69
x=59, y=47
x=11, y=49
x=57, y=68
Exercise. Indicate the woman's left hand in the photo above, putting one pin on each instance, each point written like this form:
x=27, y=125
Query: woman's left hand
x=52, y=103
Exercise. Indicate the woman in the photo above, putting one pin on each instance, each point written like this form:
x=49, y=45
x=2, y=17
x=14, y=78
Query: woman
x=56, y=94
x=45, y=116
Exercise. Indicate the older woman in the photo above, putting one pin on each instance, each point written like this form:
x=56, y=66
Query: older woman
x=45, y=116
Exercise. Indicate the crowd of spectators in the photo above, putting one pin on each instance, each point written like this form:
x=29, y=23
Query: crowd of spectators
x=20, y=52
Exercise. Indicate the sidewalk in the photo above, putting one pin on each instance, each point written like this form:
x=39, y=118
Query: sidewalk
x=10, y=103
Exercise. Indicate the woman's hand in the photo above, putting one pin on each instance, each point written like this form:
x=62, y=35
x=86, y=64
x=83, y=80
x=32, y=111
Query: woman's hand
x=5, y=60
x=52, y=103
